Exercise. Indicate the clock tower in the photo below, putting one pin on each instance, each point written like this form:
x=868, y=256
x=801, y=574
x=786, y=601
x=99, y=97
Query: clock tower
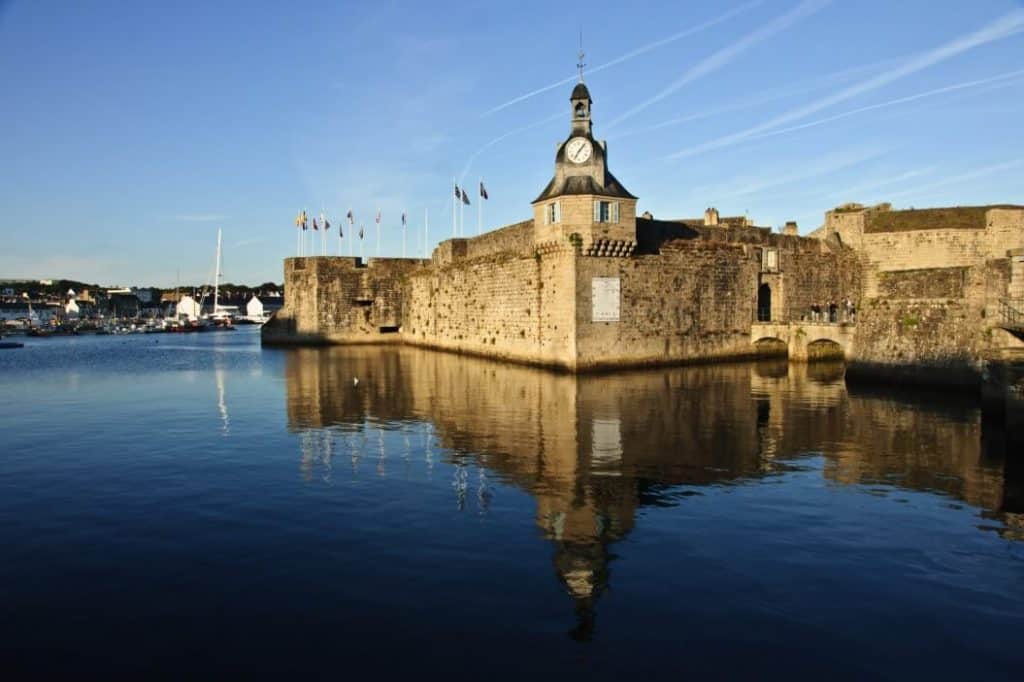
x=584, y=205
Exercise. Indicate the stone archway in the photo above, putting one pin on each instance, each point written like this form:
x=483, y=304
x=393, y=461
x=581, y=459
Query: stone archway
x=771, y=347
x=824, y=349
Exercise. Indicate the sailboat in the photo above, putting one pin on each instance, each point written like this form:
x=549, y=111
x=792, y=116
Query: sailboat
x=217, y=319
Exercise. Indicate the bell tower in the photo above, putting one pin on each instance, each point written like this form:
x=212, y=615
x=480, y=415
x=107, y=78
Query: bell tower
x=584, y=207
x=580, y=100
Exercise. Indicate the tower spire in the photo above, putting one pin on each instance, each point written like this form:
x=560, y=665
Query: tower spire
x=580, y=64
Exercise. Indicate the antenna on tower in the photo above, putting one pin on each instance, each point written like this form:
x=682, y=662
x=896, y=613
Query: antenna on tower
x=580, y=64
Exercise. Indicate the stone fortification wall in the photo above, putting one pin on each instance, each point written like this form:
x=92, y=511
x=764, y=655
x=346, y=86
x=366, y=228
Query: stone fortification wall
x=693, y=302
x=505, y=306
x=930, y=341
x=515, y=240
x=333, y=299
x=933, y=325
x=812, y=274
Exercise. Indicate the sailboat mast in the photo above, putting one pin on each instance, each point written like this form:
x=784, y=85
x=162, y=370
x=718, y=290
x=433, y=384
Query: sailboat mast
x=216, y=276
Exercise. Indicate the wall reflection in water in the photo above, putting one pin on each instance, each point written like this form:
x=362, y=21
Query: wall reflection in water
x=592, y=450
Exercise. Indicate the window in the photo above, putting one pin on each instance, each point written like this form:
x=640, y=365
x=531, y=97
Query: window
x=553, y=213
x=606, y=211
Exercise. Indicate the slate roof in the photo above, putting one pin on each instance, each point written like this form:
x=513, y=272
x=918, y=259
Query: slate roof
x=580, y=92
x=584, y=184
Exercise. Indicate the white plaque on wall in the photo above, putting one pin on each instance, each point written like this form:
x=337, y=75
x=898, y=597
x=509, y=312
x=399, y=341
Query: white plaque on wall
x=604, y=296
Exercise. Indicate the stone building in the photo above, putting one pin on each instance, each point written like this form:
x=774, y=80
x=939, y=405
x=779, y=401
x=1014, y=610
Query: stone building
x=586, y=284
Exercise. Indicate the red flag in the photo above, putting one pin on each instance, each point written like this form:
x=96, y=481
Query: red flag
x=483, y=190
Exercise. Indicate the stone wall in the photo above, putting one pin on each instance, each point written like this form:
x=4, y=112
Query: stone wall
x=693, y=302
x=332, y=299
x=515, y=240
x=504, y=306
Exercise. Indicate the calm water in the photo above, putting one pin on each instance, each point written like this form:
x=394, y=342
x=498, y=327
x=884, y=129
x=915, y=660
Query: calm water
x=199, y=505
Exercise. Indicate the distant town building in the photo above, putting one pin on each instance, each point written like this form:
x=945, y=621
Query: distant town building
x=188, y=307
x=260, y=308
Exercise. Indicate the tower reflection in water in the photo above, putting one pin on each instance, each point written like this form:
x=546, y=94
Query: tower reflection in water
x=593, y=450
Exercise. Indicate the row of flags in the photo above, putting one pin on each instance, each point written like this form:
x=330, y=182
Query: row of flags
x=302, y=220
x=463, y=194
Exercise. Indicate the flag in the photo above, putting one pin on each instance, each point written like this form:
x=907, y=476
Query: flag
x=458, y=194
x=351, y=219
x=378, y=217
x=483, y=190
x=403, y=218
x=305, y=220
x=298, y=220
x=465, y=197
x=360, y=234
x=341, y=232
x=327, y=225
x=314, y=223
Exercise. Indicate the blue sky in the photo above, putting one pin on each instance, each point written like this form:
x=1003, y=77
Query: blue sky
x=132, y=131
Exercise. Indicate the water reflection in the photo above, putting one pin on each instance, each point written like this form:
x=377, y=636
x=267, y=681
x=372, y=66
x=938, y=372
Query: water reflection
x=593, y=450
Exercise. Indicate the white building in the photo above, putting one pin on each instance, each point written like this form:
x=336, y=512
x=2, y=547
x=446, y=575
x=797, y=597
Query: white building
x=188, y=308
x=260, y=309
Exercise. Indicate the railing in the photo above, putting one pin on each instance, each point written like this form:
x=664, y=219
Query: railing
x=1011, y=313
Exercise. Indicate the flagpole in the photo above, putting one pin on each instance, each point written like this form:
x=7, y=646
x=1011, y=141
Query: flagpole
x=403, y=234
x=455, y=218
x=462, y=217
x=426, y=230
x=480, y=209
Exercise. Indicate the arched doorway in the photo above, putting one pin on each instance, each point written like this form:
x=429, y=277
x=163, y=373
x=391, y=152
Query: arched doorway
x=764, y=303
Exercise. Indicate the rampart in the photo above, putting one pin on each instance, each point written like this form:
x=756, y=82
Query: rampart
x=934, y=281
x=920, y=295
x=688, y=294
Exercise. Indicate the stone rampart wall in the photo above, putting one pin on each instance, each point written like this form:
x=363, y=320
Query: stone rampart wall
x=504, y=306
x=928, y=283
x=515, y=239
x=693, y=302
x=333, y=299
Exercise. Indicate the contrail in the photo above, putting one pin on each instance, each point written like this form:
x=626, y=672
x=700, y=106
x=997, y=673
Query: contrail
x=635, y=53
x=963, y=177
x=487, y=145
x=857, y=189
x=892, y=102
x=1003, y=27
x=728, y=54
x=827, y=166
x=759, y=98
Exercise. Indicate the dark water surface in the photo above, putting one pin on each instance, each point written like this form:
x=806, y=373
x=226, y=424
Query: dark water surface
x=196, y=504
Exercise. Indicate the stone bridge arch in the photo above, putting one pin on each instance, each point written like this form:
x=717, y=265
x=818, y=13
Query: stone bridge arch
x=805, y=341
x=771, y=347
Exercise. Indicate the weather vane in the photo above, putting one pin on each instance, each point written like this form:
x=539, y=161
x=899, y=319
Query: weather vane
x=580, y=64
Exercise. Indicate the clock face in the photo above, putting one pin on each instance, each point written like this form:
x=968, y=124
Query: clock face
x=578, y=149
